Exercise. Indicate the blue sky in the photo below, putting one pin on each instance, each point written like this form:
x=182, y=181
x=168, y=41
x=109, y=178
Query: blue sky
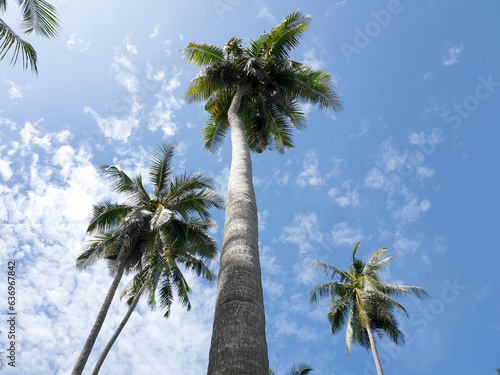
x=411, y=163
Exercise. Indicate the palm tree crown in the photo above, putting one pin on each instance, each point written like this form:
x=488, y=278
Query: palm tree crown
x=274, y=86
x=37, y=16
x=362, y=301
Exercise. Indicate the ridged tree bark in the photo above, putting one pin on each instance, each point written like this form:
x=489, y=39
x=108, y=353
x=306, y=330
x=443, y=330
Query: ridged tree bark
x=374, y=348
x=106, y=350
x=239, y=335
x=89, y=344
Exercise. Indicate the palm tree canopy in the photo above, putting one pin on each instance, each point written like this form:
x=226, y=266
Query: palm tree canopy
x=359, y=297
x=153, y=232
x=38, y=16
x=274, y=85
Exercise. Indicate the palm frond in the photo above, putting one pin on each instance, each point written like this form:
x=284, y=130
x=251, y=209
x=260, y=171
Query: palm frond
x=9, y=39
x=282, y=39
x=315, y=87
x=330, y=271
x=213, y=135
x=302, y=369
x=202, y=54
x=122, y=183
x=160, y=167
x=39, y=16
x=106, y=215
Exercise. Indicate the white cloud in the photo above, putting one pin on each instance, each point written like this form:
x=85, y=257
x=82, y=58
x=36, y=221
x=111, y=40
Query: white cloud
x=116, y=128
x=15, y=91
x=335, y=171
x=425, y=172
x=428, y=141
x=157, y=75
x=440, y=244
x=452, y=54
x=262, y=216
x=265, y=13
x=124, y=73
x=403, y=246
x=5, y=169
x=386, y=174
x=412, y=211
x=162, y=115
x=166, y=44
x=350, y=197
x=310, y=175
x=156, y=31
x=281, y=178
x=303, y=232
x=343, y=235
x=75, y=43
x=129, y=46
x=312, y=60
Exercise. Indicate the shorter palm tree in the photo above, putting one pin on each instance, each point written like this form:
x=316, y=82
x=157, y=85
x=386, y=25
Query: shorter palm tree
x=159, y=269
x=147, y=225
x=36, y=15
x=362, y=301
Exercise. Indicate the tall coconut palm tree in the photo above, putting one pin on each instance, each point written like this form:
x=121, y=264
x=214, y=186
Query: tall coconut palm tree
x=362, y=301
x=256, y=92
x=126, y=234
x=159, y=269
x=36, y=15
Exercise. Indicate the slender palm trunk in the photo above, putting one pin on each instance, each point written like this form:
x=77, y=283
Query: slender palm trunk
x=115, y=335
x=239, y=333
x=87, y=348
x=374, y=348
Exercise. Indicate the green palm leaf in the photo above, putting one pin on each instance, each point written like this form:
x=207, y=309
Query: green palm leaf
x=202, y=54
x=9, y=39
x=39, y=16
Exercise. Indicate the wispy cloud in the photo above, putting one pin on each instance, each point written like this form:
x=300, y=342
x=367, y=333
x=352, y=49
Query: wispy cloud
x=15, y=91
x=156, y=31
x=413, y=210
x=77, y=44
x=163, y=114
x=264, y=12
x=344, y=235
x=124, y=73
x=310, y=174
x=347, y=197
x=132, y=49
x=303, y=232
x=452, y=54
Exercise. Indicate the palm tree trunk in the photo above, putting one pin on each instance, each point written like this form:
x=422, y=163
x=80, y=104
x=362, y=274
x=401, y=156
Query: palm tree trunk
x=115, y=335
x=374, y=348
x=87, y=348
x=239, y=333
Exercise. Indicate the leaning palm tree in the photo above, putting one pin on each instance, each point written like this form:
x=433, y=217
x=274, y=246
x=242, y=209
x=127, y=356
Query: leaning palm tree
x=159, y=269
x=360, y=297
x=256, y=92
x=127, y=233
x=36, y=15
